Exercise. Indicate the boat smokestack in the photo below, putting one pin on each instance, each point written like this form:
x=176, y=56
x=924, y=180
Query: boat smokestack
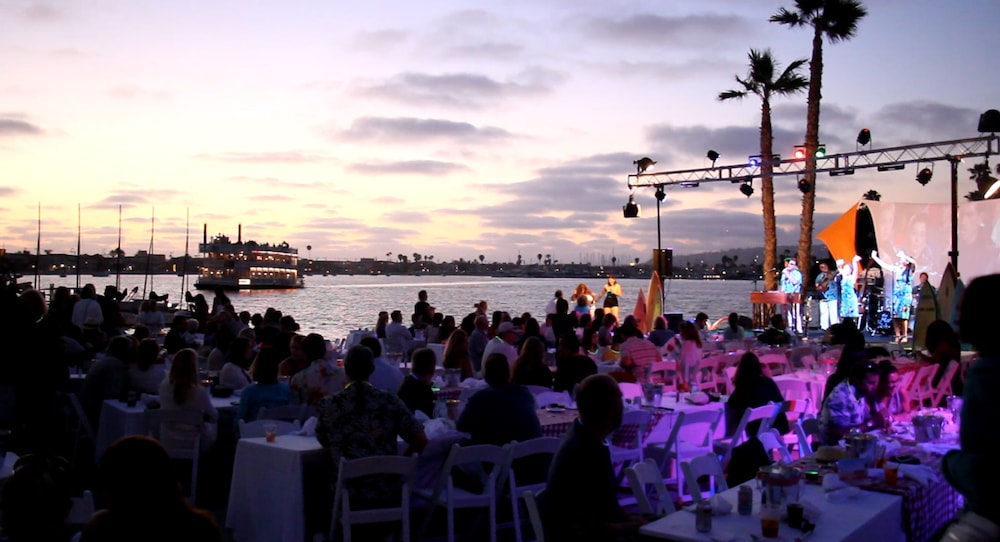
x=204, y=233
x=239, y=233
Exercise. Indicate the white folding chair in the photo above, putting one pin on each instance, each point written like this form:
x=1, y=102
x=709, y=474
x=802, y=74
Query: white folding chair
x=730, y=373
x=553, y=398
x=698, y=467
x=694, y=438
x=923, y=389
x=393, y=465
x=804, y=429
x=542, y=446
x=943, y=388
x=794, y=389
x=706, y=378
x=288, y=413
x=485, y=458
x=256, y=428
x=664, y=372
x=637, y=420
x=794, y=410
x=647, y=473
x=81, y=427
x=536, y=518
x=772, y=442
x=777, y=363
x=724, y=447
x=181, y=422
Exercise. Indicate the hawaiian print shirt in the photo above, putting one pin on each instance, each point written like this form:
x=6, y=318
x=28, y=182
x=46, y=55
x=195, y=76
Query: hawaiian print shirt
x=315, y=382
x=363, y=421
x=843, y=408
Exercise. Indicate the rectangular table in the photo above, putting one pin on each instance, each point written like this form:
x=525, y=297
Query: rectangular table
x=870, y=516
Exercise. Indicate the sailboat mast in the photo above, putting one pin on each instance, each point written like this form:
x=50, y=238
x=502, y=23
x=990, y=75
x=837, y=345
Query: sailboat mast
x=149, y=254
x=118, y=252
x=78, y=220
x=187, y=242
x=38, y=248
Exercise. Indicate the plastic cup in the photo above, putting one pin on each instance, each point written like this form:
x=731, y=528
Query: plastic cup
x=795, y=514
x=891, y=473
x=270, y=431
x=770, y=520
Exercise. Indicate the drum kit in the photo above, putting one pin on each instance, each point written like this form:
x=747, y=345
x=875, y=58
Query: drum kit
x=876, y=312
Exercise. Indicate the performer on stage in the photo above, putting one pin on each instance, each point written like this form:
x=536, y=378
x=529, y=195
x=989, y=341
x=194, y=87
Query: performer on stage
x=826, y=285
x=611, y=292
x=791, y=283
x=870, y=292
x=848, y=296
x=902, y=292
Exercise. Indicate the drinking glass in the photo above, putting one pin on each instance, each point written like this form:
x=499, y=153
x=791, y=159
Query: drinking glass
x=891, y=473
x=270, y=430
x=770, y=519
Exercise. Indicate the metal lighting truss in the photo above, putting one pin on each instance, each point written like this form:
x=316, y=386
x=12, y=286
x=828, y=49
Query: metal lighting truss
x=834, y=164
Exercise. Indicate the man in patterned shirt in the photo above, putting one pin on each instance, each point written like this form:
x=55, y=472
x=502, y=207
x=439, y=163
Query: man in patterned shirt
x=849, y=404
x=363, y=421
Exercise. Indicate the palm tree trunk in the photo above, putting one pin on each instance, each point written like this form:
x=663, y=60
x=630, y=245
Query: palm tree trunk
x=811, y=143
x=767, y=196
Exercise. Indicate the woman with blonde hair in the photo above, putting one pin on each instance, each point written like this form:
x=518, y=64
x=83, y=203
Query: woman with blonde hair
x=183, y=390
x=456, y=354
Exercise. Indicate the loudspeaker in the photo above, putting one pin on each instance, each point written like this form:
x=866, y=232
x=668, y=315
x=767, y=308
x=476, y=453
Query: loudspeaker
x=663, y=262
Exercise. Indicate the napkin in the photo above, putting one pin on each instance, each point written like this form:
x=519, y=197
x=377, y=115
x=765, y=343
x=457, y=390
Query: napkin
x=720, y=506
x=148, y=399
x=832, y=482
x=308, y=428
x=438, y=427
x=921, y=474
x=698, y=398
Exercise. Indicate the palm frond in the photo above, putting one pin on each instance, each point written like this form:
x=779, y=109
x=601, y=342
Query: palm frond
x=731, y=94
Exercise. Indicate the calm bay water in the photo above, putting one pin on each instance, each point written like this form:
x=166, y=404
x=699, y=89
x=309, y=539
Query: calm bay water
x=334, y=305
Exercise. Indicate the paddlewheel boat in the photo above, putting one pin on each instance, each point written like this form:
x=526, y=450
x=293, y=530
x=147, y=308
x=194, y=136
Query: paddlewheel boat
x=247, y=266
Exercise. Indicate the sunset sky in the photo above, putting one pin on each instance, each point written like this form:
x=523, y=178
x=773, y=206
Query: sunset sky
x=448, y=128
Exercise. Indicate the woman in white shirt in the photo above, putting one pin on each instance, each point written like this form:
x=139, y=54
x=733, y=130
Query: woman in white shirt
x=686, y=348
x=149, y=371
x=182, y=390
x=234, y=374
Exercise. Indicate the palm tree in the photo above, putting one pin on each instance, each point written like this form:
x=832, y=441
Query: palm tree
x=981, y=174
x=835, y=20
x=482, y=258
x=388, y=255
x=760, y=80
x=539, y=258
x=872, y=195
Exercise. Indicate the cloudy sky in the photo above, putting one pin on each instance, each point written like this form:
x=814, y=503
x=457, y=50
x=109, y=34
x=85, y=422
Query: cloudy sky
x=447, y=128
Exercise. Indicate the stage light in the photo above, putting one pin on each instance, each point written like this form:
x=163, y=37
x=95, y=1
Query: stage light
x=821, y=151
x=690, y=184
x=660, y=194
x=643, y=164
x=713, y=156
x=747, y=189
x=841, y=171
x=800, y=152
x=864, y=137
x=631, y=209
x=891, y=167
x=924, y=176
x=804, y=186
x=989, y=121
x=754, y=160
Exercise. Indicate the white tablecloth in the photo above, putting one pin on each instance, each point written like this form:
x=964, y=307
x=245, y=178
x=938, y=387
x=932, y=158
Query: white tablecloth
x=120, y=420
x=815, y=381
x=871, y=516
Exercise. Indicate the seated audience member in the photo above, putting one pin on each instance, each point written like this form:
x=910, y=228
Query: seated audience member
x=174, y=340
x=529, y=367
x=149, y=370
x=973, y=470
x=501, y=412
x=361, y=421
x=265, y=392
x=183, y=390
x=36, y=500
x=734, y=332
x=321, y=378
x=889, y=398
x=87, y=311
x=777, y=333
x=849, y=404
x=416, y=391
x=143, y=499
x=503, y=343
x=456, y=354
x=479, y=338
x=701, y=324
x=849, y=357
x=296, y=360
x=235, y=374
x=150, y=317
x=636, y=355
x=385, y=377
x=660, y=334
x=752, y=389
x=571, y=366
x=106, y=377
x=943, y=345
x=581, y=500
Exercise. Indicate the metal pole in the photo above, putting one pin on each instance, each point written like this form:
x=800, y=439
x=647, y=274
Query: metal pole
x=954, y=160
x=659, y=254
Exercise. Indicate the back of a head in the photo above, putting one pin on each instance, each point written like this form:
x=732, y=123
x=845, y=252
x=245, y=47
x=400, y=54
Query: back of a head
x=36, y=498
x=121, y=348
x=496, y=370
x=265, y=367
x=359, y=363
x=533, y=349
x=977, y=314
x=138, y=477
x=184, y=367
x=147, y=353
x=747, y=372
x=734, y=320
x=660, y=323
x=596, y=396
x=372, y=344
x=861, y=370
x=777, y=320
x=314, y=346
x=562, y=306
x=423, y=361
x=569, y=342
x=939, y=331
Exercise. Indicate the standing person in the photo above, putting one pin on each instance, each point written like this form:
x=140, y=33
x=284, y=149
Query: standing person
x=973, y=470
x=421, y=307
x=826, y=285
x=550, y=308
x=848, y=295
x=611, y=292
x=791, y=283
x=383, y=320
x=902, y=292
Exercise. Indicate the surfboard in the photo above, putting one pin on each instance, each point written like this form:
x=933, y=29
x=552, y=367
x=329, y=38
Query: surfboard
x=956, y=298
x=946, y=293
x=927, y=312
x=654, y=301
x=640, y=312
